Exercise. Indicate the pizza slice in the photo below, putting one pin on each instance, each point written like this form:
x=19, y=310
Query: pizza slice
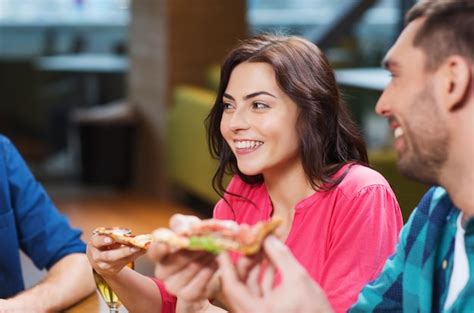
x=191, y=233
x=212, y=235
x=125, y=236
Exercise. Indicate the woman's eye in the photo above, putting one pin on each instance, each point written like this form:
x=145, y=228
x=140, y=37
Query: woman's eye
x=260, y=105
x=227, y=105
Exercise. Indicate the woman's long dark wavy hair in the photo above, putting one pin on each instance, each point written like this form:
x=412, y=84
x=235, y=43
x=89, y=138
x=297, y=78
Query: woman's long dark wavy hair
x=329, y=138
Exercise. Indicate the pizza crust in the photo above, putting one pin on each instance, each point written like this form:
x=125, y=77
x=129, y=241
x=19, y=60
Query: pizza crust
x=124, y=236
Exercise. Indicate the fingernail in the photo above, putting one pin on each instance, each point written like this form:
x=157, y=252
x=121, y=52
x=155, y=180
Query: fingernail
x=222, y=256
x=272, y=239
x=107, y=240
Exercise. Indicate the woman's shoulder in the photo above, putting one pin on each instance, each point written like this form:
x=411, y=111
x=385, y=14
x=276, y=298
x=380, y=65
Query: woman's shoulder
x=359, y=177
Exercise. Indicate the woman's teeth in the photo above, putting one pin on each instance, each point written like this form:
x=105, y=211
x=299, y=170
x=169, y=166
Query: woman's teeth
x=247, y=144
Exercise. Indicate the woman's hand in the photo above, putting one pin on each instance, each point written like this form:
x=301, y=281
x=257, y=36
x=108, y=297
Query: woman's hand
x=109, y=258
x=190, y=275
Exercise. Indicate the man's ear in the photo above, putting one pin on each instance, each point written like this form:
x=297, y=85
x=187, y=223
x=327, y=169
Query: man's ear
x=456, y=77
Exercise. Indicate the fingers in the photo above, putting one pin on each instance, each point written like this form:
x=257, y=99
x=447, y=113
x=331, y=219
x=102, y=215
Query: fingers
x=168, y=264
x=245, y=264
x=187, y=272
x=253, y=280
x=114, y=260
x=100, y=241
x=191, y=283
x=122, y=253
x=158, y=251
x=183, y=223
x=268, y=279
x=281, y=256
x=237, y=293
x=108, y=258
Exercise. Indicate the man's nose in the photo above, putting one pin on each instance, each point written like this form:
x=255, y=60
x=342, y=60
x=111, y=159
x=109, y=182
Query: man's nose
x=382, y=107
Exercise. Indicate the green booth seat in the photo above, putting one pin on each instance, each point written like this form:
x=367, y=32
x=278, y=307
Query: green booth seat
x=213, y=74
x=189, y=163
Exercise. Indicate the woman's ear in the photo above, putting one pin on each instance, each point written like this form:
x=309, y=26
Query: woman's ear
x=456, y=76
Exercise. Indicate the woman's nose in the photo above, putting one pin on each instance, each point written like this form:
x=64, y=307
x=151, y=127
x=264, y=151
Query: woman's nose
x=239, y=121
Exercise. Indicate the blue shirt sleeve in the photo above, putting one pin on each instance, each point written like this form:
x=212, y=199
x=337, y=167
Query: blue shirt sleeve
x=44, y=234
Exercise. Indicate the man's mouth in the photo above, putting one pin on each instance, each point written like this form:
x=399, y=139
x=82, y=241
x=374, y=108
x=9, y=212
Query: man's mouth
x=398, y=132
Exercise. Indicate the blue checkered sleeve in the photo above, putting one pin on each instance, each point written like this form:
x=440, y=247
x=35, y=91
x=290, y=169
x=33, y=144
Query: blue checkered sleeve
x=384, y=294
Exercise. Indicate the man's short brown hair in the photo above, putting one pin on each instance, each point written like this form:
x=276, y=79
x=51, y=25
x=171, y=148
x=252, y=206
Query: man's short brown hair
x=447, y=30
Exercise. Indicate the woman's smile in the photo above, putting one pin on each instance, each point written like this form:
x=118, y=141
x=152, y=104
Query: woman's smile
x=246, y=146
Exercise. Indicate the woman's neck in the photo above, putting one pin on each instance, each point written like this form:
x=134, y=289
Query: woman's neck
x=287, y=189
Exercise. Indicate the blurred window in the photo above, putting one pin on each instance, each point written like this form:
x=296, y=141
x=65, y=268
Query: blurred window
x=370, y=37
x=38, y=27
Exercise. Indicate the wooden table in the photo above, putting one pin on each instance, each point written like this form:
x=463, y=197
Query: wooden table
x=88, y=66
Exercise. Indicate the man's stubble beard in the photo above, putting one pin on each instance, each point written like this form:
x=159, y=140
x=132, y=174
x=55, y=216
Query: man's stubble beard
x=426, y=139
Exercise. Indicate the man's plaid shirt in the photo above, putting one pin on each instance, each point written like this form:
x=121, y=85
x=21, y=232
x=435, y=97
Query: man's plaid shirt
x=416, y=277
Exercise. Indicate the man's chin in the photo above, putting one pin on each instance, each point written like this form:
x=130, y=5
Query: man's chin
x=415, y=170
x=404, y=167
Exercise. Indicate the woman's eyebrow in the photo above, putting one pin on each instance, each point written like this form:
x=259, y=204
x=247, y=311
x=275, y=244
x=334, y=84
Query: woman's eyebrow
x=258, y=93
x=226, y=95
x=253, y=94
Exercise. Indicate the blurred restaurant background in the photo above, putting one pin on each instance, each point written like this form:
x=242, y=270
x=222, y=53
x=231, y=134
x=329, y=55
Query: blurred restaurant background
x=106, y=99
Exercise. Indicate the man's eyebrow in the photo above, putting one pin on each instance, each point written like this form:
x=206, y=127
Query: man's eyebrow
x=252, y=95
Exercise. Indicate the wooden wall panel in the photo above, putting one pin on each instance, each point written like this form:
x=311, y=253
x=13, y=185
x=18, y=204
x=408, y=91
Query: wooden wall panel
x=173, y=42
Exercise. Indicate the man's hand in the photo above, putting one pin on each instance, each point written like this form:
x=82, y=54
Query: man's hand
x=67, y=282
x=247, y=290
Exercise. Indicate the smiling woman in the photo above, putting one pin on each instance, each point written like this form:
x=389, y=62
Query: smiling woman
x=280, y=127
